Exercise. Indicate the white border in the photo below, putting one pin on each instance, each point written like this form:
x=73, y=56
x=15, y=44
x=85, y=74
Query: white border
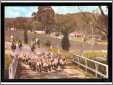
x=86, y=83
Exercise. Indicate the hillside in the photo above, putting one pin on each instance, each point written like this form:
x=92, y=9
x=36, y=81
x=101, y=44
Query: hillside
x=83, y=22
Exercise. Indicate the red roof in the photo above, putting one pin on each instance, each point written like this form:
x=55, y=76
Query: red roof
x=76, y=33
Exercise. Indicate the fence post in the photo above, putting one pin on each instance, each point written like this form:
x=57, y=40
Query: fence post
x=78, y=59
x=106, y=71
x=13, y=67
x=9, y=73
x=86, y=64
x=96, y=73
x=96, y=69
x=11, y=76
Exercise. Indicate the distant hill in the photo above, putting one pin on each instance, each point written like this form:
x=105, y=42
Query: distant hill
x=76, y=22
x=81, y=21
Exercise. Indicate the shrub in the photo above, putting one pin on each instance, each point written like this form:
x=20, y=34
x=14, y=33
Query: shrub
x=65, y=42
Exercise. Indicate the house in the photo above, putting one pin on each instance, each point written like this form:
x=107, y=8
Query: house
x=75, y=34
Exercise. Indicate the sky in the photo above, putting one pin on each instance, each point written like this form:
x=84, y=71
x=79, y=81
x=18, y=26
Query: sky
x=26, y=11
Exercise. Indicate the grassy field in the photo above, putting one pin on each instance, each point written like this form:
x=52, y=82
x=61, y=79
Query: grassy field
x=92, y=54
x=89, y=54
x=66, y=54
x=100, y=56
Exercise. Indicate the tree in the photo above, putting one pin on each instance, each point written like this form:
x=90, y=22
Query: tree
x=100, y=21
x=23, y=23
x=65, y=41
x=65, y=23
x=66, y=26
x=45, y=15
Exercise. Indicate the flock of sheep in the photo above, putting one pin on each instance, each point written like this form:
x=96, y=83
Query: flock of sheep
x=44, y=62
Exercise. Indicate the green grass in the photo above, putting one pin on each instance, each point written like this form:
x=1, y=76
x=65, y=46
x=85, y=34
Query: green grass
x=96, y=55
x=77, y=40
x=93, y=54
x=66, y=54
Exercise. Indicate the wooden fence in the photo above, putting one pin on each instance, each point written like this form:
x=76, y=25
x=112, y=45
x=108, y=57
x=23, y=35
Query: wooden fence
x=92, y=65
x=13, y=67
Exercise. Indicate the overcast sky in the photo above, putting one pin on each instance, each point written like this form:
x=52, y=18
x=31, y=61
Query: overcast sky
x=26, y=11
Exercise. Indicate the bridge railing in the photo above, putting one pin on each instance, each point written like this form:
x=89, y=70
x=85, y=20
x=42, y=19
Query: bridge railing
x=13, y=67
x=92, y=65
